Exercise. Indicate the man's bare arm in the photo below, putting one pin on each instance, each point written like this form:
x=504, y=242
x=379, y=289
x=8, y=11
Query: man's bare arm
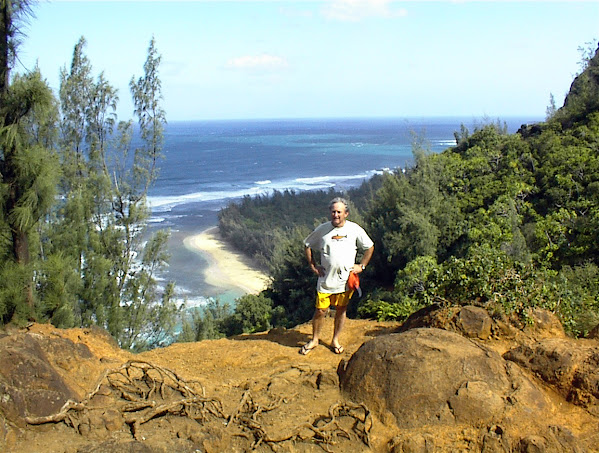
x=318, y=270
x=364, y=261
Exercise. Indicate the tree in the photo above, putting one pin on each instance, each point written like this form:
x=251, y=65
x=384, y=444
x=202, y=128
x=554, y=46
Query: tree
x=207, y=322
x=27, y=168
x=143, y=304
x=83, y=257
x=551, y=108
x=293, y=285
x=102, y=219
x=147, y=95
x=12, y=14
x=83, y=229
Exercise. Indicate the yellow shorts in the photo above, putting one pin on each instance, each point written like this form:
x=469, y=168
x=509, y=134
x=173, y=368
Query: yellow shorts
x=324, y=300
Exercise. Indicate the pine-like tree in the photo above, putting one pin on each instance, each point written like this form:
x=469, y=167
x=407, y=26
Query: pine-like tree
x=27, y=168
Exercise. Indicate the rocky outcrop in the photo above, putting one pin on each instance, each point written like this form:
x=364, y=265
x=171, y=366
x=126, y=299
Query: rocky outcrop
x=571, y=367
x=428, y=381
x=583, y=97
x=475, y=322
x=29, y=383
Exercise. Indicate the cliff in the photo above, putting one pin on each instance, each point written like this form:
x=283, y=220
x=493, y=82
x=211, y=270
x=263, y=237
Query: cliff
x=447, y=379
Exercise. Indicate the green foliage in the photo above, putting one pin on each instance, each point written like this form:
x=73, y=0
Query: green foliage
x=252, y=225
x=253, y=313
x=147, y=97
x=13, y=302
x=293, y=283
x=577, y=297
x=58, y=284
x=145, y=322
x=416, y=281
x=383, y=306
x=206, y=322
x=28, y=171
x=415, y=288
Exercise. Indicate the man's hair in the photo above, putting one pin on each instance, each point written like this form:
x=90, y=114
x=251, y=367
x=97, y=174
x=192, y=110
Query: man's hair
x=339, y=200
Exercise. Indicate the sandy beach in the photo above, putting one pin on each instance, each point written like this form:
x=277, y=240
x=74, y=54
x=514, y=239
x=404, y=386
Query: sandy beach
x=227, y=268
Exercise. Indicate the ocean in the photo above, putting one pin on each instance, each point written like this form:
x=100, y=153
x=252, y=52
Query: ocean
x=209, y=164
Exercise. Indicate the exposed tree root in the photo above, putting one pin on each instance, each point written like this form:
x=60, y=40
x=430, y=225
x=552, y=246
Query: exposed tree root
x=144, y=391
x=324, y=430
x=58, y=417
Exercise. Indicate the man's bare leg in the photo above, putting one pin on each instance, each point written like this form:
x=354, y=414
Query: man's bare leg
x=317, y=323
x=339, y=323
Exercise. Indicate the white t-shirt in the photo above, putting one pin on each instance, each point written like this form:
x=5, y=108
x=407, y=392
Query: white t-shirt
x=338, y=248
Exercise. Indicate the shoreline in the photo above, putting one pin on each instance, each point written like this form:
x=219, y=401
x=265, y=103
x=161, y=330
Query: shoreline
x=227, y=268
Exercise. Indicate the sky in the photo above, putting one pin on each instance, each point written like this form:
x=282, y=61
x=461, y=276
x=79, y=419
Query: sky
x=324, y=59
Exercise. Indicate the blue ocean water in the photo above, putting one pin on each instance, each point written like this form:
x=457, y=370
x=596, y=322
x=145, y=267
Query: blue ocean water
x=210, y=163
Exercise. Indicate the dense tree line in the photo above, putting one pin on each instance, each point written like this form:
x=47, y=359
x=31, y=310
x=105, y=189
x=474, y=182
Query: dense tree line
x=73, y=185
x=505, y=221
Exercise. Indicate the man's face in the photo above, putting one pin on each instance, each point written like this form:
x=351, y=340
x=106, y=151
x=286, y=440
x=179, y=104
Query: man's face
x=338, y=214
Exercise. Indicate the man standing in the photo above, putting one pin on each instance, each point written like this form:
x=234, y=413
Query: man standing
x=338, y=242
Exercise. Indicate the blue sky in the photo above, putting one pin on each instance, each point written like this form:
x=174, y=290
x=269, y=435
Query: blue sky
x=337, y=58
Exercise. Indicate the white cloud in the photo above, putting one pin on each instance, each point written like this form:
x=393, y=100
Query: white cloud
x=356, y=10
x=257, y=62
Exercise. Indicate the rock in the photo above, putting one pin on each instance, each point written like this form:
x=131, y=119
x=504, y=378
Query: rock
x=113, y=420
x=572, y=367
x=544, y=324
x=414, y=444
x=431, y=316
x=431, y=381
x=431, y=377
x=476, y=403
x=29, y=384
x=470, y=321
x=533, y=444
x=474, y=322
x=494, y=441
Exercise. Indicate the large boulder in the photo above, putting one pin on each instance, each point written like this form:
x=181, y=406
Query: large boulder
x=428, y=380
x=434, y=377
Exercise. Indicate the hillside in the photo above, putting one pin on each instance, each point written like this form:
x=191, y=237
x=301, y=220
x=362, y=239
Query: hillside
x=256, y=391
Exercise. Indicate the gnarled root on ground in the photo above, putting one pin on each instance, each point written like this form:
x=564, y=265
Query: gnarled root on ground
x=348, y=420
x=144, y=391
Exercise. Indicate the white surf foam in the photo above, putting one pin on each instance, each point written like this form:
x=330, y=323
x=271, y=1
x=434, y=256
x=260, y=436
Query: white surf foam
x=161, y=204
